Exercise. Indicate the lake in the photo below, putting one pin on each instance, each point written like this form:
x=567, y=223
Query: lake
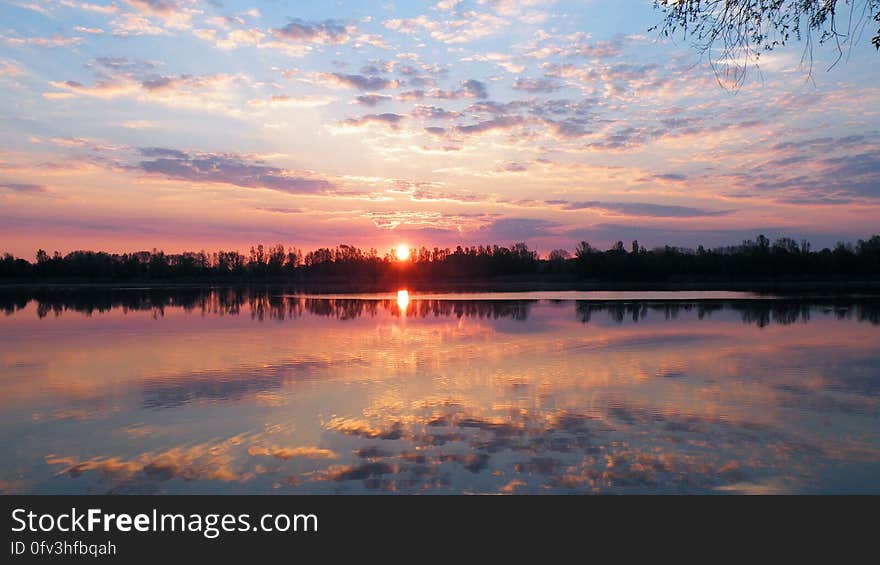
x=266, y=391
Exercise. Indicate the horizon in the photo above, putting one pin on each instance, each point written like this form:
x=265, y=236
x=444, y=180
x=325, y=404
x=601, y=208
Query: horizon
x=396, y=252
x=190, y=124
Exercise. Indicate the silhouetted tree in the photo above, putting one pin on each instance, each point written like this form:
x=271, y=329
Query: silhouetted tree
x=352, y=266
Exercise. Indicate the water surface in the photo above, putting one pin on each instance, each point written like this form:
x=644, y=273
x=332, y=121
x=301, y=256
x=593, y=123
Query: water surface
x=236, y=391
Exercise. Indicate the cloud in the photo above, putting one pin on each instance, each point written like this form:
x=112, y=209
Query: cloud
x=124, y=65
x=156, y=7
x=468, y=89
x=227, y=168
x=172, y=14
x=121, y=77
x=640, y=209
x=621, y=79
x=813, y=171
x=234, y=39
x=823, y=144
x=99, y=8
x=372, y=39
x=284, y=100
x=286, y=453
x=576, y=45
x=572, y=128
x=276, y=210
x=135, y=25
x=54, y=41
x=163, y=152
x=562, y=120
x=379, y=67
x=111, y=88
x=23, y=188
x=513, y=167
x=474, y=88
x=501, y=123
x=328, y=32
x=433, y=113
x=831, y=180
x=70, y=141
x=536, y=85
x=411, y=95
x=856, y=173
x=387, y=119
x=493, y=107
x=139, y=124
x=426, y=224
x=447, y=5
x=674, y=177
x=632, y=137
x=599, y=49
x=360, y=82
x=10, y=68
x=372, y=100
x=465, y=27
x=517, y=229
x=204, y=93
x=503, y=60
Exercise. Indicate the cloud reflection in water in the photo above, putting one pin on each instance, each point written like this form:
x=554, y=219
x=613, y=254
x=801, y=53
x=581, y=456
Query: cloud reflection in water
x=234, y=391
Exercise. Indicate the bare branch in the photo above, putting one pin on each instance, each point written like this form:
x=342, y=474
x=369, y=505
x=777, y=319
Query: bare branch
x=734, y=33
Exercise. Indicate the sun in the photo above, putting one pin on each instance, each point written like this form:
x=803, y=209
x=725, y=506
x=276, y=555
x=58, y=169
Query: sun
x=402, y=252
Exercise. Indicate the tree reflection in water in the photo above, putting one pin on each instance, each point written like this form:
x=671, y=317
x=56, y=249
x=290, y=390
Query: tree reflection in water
x=276, y=305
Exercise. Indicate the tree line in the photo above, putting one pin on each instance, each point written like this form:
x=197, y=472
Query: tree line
x=752, y=259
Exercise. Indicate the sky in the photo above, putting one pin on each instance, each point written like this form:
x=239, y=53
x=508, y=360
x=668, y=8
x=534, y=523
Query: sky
x=218, y=124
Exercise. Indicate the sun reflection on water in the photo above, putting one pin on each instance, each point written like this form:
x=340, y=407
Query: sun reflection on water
x=402, y=300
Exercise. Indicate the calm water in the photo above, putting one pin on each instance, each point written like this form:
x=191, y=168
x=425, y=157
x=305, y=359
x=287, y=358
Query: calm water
x=200, y=391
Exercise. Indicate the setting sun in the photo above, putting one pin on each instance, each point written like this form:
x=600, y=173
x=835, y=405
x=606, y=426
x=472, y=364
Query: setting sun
x=402, y=252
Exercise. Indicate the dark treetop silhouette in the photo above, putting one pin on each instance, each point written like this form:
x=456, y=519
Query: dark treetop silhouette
x=742, y=29
x=353, y=268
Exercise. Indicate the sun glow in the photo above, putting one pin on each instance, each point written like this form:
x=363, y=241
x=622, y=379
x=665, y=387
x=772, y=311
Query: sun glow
x=402, y=299
x=402, y=252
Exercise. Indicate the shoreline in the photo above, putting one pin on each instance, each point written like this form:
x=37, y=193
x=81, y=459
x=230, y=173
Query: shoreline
x=871, y=287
